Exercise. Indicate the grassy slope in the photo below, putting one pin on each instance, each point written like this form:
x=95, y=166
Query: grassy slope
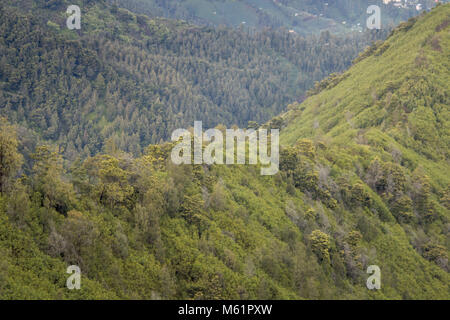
x=410, y=69
x=358, y=121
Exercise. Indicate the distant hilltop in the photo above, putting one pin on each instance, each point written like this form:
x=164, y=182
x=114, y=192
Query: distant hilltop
x=409, y=3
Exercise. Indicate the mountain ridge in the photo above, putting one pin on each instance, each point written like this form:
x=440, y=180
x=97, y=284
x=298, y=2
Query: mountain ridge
x=301, y=16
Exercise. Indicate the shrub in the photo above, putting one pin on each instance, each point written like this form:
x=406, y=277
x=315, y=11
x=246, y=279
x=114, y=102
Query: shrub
x=320, y=243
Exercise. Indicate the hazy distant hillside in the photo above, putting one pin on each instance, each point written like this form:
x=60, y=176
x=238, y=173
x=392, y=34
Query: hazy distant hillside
x=303, y=16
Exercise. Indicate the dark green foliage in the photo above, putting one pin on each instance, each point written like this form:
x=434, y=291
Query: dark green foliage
x=130, y=81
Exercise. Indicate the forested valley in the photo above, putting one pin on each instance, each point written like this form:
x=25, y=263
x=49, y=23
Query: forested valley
x=86, y=176
x=130, y=80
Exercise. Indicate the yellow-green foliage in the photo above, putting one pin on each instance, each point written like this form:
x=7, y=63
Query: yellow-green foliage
x=320, y=243
x=359, y=185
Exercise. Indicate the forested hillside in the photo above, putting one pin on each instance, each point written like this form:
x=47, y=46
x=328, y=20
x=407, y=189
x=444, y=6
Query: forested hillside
x=130, y=80
x=362, y=182
x=302, y=16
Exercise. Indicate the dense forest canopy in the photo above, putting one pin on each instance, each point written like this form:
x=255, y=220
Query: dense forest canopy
x=133, y=80
x=362, y=177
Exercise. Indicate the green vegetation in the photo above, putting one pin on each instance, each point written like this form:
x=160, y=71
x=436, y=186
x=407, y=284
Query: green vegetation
x=133, y=80
x=362, y=182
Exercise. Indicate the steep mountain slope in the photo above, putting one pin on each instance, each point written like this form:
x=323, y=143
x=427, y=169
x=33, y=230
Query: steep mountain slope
x=394, y=99
x=126, y=78
x=362, y=183
x=384, y=127
x=303, y=16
